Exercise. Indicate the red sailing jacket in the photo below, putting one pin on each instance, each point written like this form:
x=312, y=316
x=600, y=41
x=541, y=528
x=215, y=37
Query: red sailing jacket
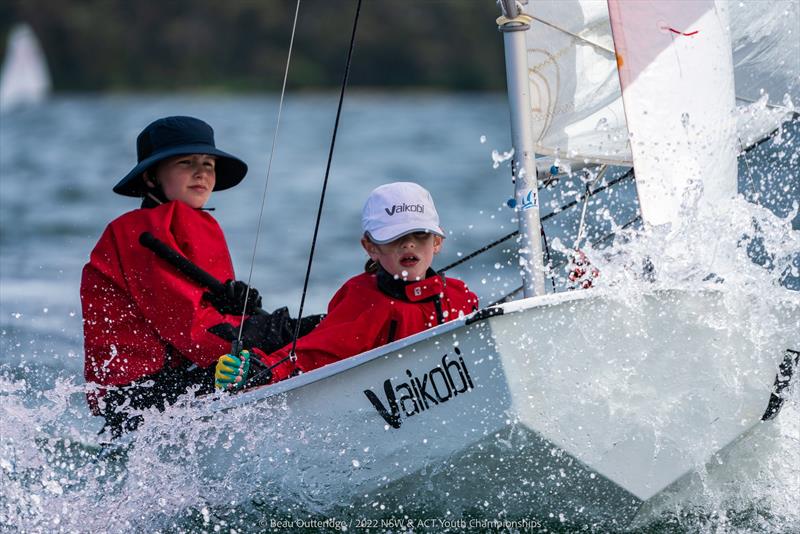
x=370, y=310
x=140, y=313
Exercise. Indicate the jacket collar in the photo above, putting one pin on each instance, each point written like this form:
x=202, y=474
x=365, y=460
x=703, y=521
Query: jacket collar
x=154, y=196
x=152, y=200
x=424, y=290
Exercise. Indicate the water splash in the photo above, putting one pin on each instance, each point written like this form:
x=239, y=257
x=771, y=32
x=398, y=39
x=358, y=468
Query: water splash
x=746, y=252
x=712, y=245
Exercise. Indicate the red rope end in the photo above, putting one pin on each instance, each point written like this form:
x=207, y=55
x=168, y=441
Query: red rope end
x=673, y=30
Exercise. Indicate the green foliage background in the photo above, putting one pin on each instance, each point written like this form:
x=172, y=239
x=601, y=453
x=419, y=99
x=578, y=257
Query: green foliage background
x=241, y=45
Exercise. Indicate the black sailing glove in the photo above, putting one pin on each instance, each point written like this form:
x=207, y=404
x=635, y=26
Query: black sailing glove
x=231, y=301
x=267, y=332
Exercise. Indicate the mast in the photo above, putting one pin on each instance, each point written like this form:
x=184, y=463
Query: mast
x=513, y=25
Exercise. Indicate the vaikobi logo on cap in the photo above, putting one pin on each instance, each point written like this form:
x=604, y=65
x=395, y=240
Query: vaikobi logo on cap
x=401, y=208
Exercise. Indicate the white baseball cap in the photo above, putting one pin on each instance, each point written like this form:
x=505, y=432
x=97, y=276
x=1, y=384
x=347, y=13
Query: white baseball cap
x=398, y=209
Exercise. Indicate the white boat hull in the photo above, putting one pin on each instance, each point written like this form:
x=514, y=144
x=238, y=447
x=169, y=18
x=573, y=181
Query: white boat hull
x=582, y=402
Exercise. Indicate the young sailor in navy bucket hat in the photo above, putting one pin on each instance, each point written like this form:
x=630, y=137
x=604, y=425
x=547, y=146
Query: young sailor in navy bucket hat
x=149, y=331
x=177, y=136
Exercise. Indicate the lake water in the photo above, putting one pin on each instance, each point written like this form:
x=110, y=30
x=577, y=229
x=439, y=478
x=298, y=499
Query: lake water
x=59, y=161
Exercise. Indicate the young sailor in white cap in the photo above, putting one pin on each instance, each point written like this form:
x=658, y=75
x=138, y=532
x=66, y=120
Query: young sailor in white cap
x=399, y=294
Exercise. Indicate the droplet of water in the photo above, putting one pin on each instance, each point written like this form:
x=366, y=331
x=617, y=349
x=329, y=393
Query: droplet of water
x=498, y=158
x=483, y=139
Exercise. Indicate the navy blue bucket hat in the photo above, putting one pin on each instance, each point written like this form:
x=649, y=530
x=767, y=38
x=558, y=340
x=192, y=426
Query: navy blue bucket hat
x=177, y=136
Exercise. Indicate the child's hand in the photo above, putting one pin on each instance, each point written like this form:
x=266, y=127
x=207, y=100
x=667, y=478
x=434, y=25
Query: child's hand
x=231, y=371
x=581, y=271
x=232, y=300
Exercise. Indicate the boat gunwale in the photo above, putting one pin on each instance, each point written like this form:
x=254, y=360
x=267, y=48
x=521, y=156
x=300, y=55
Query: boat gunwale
x=223, y=402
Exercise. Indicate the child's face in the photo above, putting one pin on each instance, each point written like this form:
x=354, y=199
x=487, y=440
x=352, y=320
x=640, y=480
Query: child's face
x=189, y=178
x=407, y=257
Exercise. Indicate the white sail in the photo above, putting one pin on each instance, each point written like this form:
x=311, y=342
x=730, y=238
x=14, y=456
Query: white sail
x=24, y=78
x=676, y=72
x=575, y=95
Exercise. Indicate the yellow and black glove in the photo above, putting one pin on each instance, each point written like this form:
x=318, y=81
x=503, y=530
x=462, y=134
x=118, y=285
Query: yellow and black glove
x=231, y=371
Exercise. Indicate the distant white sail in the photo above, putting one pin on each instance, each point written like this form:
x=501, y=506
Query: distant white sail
x=575, y=95
x=24, y=78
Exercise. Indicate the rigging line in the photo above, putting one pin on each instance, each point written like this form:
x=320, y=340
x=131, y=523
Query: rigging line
x=626, y=176
x=750, y=177
x=574, y=35
x=582, y=224
x=345, y=78
x=269, y=169
x=549, y=259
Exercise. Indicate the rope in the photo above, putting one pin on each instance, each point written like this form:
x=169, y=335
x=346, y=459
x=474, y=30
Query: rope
x=550, y=215
x=582, y=224
x=269, y=171
x=292, y=355
x=548, y=259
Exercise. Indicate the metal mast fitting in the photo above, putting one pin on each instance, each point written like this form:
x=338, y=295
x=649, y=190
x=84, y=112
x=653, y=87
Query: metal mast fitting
x=513, y=25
